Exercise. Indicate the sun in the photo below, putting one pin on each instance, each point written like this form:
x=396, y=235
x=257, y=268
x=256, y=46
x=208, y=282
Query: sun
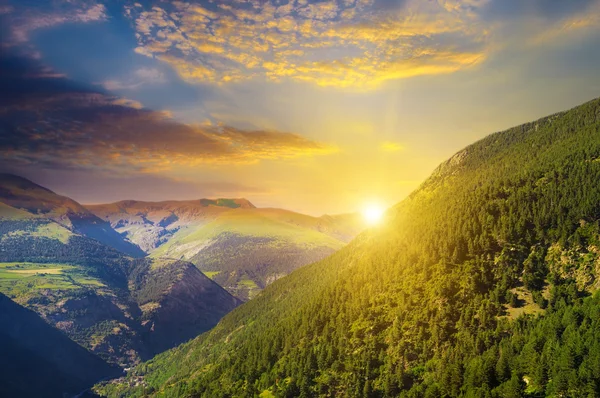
x=373, y=213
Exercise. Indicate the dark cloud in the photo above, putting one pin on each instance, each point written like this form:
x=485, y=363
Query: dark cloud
x=21, y=78
x=50, y=121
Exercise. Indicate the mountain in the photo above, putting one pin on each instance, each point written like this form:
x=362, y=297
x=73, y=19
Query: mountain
x=150, y=224
x=122, y=308
x=178, y=302
x=24, y=200
x=482, y=283
x=38, y=360
x=241, y=247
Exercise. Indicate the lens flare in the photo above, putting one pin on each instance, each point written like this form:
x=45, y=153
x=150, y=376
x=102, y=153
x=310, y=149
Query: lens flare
x=373, y=214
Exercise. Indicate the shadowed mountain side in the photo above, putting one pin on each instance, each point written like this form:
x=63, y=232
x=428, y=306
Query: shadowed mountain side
x=178, y=302
x=39, y=360
x=55, y=260
x=41, y=203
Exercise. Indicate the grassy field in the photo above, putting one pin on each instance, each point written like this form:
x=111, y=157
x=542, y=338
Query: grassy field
x=48, y=230
x=248, y=283
x=247, y=222
x=23, y=279
x=211, y=274
x=527, y=305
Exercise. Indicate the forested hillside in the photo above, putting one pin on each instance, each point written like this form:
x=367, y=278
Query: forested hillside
x=480, y=284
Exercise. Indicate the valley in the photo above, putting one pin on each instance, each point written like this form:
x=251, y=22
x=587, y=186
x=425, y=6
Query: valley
x=123, y=308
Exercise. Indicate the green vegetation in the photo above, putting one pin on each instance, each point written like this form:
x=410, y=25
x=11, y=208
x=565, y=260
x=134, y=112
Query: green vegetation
x=211, y=274
x=31, y=211
x=244, y=222
x=21, y=281
x=44, y=230
x=98, y=296
x=250, y=245
x=220, y=202
x=421, y=306
x=230, y=237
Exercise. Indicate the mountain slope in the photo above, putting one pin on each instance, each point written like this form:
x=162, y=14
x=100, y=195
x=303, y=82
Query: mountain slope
x=20, y=196
x=178, y=302
x=121, y=308
x=146, y=307
x=243, y=248
x=150, y=224
x=38, y=360
x=424, y=306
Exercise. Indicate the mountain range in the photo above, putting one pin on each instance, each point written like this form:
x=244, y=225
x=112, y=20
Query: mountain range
x=85, y=270
x=84, y=278
x=482, y=283
x=241, y=247
x=23, y=200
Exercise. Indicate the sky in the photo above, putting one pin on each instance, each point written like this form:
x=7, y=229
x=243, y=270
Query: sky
x=313, y=106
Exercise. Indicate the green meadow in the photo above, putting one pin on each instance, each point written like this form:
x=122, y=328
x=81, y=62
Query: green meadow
x=24, y=279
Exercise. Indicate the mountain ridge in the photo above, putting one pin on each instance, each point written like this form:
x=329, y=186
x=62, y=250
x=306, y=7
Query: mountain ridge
x=43, y=204
x=63, y=262
x=242, y=247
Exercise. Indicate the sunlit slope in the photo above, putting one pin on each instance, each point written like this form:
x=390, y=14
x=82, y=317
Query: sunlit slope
x=419, y=306
x=150, y=224
x=241, y=247
x=245, y=250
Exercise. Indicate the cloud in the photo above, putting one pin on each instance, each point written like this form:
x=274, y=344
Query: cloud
x=140, y=77
x=344, y=43
x=332, y=43
x=339, y=43
x=390, y=146
x=551, y=10
x=57, y=124
x=547, y=31
x=24, y=20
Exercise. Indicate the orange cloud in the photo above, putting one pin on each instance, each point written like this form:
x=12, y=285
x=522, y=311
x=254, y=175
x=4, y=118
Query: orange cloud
x=331, y=43
x=83, y=129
